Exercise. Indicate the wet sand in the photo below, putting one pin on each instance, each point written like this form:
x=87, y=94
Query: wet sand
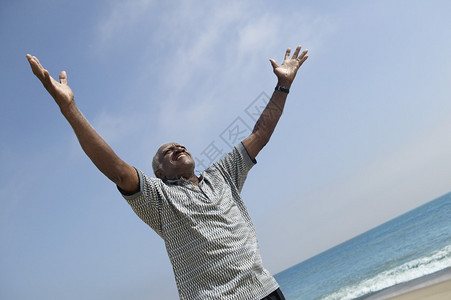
x=439, y=291
x=436, y=286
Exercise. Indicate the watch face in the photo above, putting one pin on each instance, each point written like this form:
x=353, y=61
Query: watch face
x=282, y=89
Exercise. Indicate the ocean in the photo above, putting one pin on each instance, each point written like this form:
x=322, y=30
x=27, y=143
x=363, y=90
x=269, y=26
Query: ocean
x=413, y=245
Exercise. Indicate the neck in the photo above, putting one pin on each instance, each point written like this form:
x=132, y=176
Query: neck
x=191, y=177
x=194, y=179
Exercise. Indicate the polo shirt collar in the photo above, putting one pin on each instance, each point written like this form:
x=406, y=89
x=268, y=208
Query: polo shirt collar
x=183, y=181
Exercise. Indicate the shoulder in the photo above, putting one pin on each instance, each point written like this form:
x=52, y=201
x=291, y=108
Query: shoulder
x=148, y=186
x=238, y=155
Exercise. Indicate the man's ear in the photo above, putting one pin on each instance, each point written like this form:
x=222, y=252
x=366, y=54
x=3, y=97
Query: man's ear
x=159, y=174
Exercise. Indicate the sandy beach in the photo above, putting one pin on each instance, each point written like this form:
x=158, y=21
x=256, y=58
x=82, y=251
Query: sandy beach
x=439, y=291
x=436, y=286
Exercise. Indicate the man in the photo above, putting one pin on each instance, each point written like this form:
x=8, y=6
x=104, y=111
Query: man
x=208, y=233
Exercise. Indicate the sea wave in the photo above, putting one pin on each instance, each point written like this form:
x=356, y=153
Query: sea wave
x=414, y=269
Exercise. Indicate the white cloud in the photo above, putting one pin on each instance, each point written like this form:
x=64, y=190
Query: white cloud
x=209, y=52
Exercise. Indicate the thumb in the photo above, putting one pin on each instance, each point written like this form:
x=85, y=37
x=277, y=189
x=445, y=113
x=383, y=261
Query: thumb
x=63, y=77
x=273, y=63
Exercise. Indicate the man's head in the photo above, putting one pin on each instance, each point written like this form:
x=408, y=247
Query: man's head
x=173, y=161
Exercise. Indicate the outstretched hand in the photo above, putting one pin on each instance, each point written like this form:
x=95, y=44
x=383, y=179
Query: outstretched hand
x=60, y=91
x=287, y=71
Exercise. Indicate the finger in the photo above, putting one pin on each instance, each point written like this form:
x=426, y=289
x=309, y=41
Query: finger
x=301, y=61
x=287, y=54
x=302, y=54
x=273, y=63
x=35, y=60
x=36, y=67
x=48, y=80
x=296, y=52
x=31, y=60
x=63, y=77
x=301, y=58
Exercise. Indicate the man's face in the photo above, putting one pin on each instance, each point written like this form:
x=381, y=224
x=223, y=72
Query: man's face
x=175, y=161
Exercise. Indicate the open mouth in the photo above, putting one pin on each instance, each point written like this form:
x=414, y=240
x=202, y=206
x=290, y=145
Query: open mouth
x=180, y=155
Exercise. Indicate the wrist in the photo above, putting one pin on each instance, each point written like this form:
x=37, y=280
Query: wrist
x=68, y=108
x=282, y=88
x=284, y=83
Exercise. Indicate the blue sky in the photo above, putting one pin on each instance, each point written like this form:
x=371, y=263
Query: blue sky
x=365, y=135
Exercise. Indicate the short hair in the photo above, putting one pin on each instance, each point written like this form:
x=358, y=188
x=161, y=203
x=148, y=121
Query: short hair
x=156, y=163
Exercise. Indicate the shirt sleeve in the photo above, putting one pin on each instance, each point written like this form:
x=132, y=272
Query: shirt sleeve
x=146, y=202
x=237, y=164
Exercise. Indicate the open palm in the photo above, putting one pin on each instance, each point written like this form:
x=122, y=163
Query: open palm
x=286, y=72
x=60, y=91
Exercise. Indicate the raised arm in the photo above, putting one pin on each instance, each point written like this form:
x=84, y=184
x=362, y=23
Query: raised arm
x=121, y=173
x=267, y=121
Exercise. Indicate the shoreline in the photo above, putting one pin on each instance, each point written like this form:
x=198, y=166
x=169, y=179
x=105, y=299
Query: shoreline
x=434, y=286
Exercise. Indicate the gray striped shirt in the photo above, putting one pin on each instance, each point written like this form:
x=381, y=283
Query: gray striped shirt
x=207, y=230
